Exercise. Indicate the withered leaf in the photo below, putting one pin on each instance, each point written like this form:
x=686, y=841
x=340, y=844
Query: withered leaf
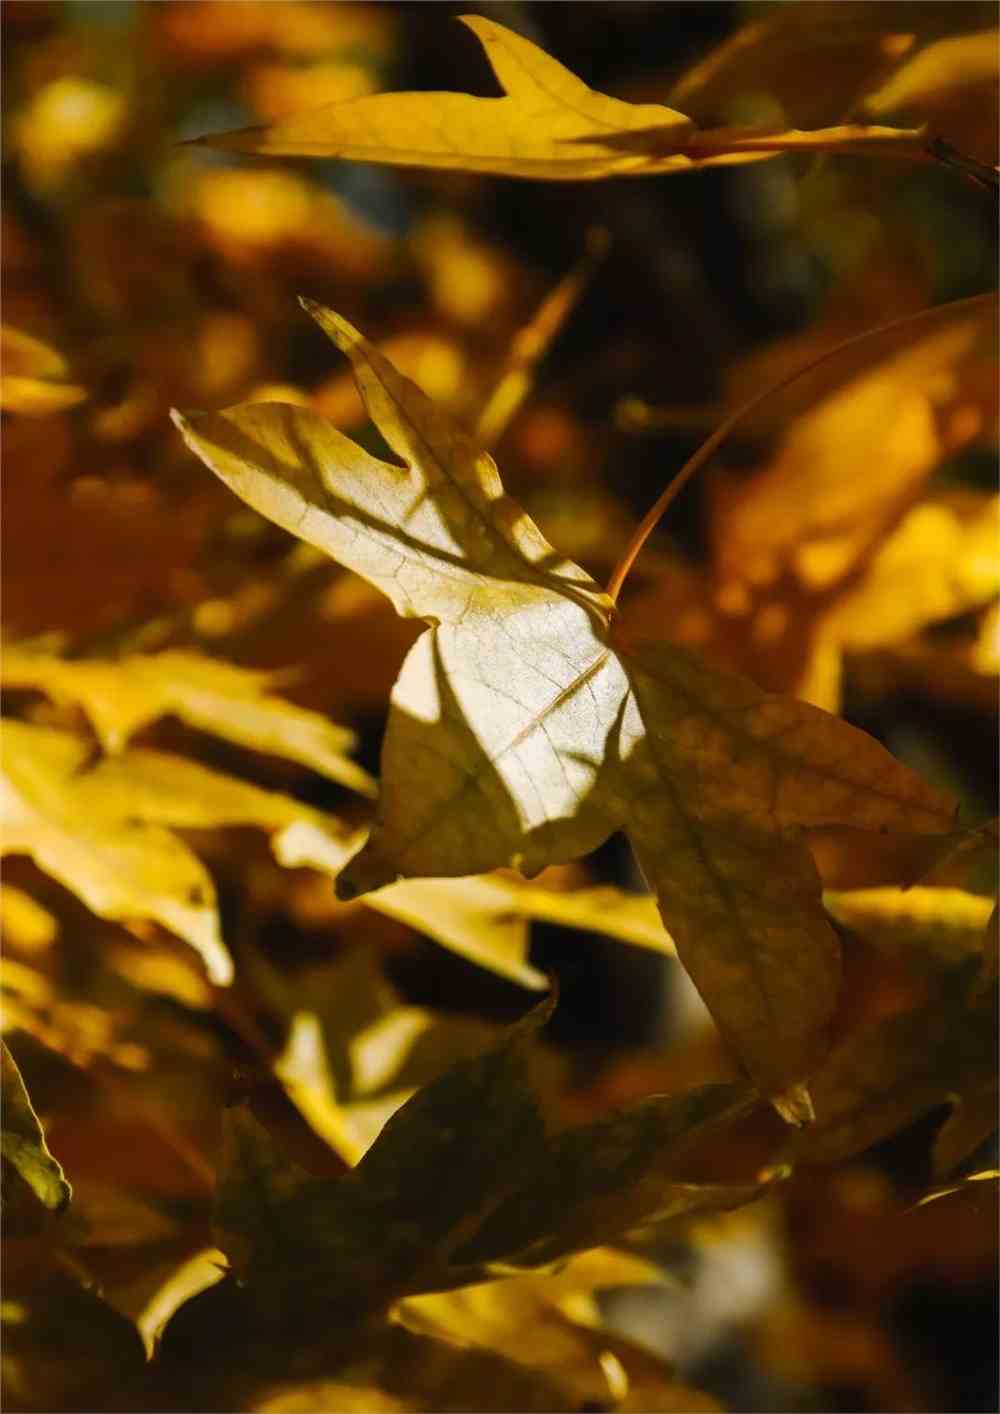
x=549, y=126
x=523, y=731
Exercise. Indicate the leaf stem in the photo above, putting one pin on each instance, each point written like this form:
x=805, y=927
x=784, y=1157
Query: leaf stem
x=694, y=463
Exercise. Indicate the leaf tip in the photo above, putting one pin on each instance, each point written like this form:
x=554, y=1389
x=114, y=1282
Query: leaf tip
x=334, y=325
x=795, y=1105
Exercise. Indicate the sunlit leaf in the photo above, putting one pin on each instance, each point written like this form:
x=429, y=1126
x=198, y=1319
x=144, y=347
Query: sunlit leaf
x=122, y=696
x=523, y=733
x=547, y=1321
x=848, y=463
x=23, y=1141
x=940, y=927
x=990, y=1176
x=354, y=1053
x=943, y=559
x=485, y=919
x=35, y=377
x=121, y=868
x=25, y=923
x=549, y=126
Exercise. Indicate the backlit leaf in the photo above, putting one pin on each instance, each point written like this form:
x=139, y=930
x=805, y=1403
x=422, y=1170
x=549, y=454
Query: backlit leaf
x=522, y=732
x=23, y=1142
x=126, y=865
x=35, y=378
x=122, y=696
x=549, y=126
x=549, y=1322
x=485, y=918
x=849, y=462
x=121, y=868
x=941, y=927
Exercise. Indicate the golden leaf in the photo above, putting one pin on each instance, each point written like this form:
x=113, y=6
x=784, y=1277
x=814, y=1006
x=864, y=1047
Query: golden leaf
x=23, y=1143
x=121, y=696
x=549, y=126
x=523, y=731
x=99, y=829
x=35, y=378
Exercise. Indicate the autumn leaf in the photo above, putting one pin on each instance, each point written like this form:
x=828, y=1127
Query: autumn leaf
x=35, y=380
x=99, y=828
x=886, y=1075
x=931, y=928
x=124, y=695
x=441, y=1198
x=549, y=1321
x=24, y=1146
x=550, y=126
x=941, y=560
x=523, y=733
x=823, y=502
x=486, y=918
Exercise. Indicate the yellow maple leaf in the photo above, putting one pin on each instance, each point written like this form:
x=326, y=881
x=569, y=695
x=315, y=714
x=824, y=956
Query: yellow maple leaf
x=550, y=126
x=523, y=731
x=120, y=696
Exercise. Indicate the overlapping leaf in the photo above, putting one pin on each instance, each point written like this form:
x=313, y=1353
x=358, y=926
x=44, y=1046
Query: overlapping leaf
x=522, y=732
x=549, y=126
x=486, y=918
x=462, y=1177
x=101, y=829
x=122, y=696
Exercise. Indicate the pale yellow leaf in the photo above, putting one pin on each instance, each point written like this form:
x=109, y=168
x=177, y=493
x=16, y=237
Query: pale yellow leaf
x=550, y=125
x=523, y=731
x=121, y=696
x=120, y=868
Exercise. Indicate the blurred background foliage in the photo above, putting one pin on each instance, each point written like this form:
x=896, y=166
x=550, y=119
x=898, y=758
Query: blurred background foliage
x=842, y=546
